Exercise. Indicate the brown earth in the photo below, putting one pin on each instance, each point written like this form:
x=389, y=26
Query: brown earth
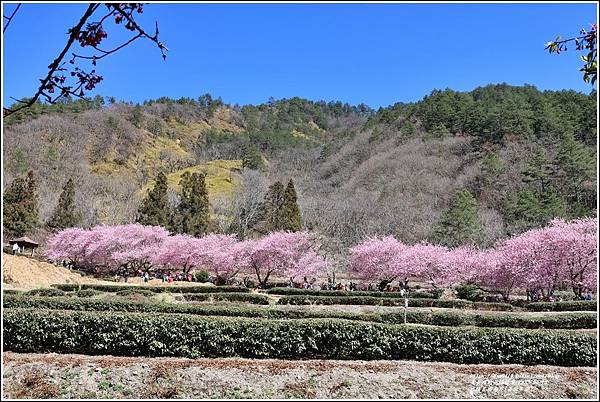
x=20, y=272
x=25, y=273
x=79, y=376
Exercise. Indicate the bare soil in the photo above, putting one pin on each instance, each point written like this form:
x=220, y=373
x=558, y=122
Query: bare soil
x=24, y=273
x=79, y=376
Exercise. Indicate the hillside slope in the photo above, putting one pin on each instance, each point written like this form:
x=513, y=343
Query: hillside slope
x=20, y=272
x=358, y=172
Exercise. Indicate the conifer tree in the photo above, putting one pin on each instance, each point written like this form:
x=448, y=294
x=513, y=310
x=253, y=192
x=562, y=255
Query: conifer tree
x=64, y=215
x=293, y=220
x=272, y=217
x=526, y=210
x=154, y=210
x=192, y=215
x=538, y=172
x=460, y=223
x=575, y=172
x=20, y=214
x=252, y=158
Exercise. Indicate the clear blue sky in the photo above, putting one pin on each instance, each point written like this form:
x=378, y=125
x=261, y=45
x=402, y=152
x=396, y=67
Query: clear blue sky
x=378, y=54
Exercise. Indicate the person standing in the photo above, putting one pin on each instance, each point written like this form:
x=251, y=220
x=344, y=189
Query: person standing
x=15, y=248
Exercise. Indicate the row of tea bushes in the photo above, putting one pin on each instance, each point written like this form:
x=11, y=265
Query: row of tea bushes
x=134, y=334
x=379, y=301
x=578, y=305
x=157, y=289
x=253, y=298
x=441, y=318
x=342, y=293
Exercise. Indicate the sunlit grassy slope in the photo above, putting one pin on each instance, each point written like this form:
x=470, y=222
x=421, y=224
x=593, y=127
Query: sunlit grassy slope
x=220, y=176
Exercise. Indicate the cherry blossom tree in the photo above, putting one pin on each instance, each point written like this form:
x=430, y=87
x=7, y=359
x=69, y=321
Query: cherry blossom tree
x=67, y=245
x=111, y=248
x=188, y=253
x=379, y=259
x=429, y=262
x=281, y=254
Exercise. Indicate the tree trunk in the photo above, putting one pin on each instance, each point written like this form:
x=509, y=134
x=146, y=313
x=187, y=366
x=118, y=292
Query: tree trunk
x=383, y=284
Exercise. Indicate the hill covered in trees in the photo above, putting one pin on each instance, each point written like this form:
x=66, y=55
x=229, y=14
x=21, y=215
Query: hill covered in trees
x=452, y=168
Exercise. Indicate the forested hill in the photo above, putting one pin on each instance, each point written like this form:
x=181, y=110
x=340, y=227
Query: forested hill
x=453, y=167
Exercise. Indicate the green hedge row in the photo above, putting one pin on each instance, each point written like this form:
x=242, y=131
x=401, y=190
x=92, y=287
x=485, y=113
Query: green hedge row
x=341, y=293
x=253, y=298
x=579, y=305
x=442, y=318
x=45, y=292
x=380, y=301
x=157, y=289
x=133, y=334
x=12, y=292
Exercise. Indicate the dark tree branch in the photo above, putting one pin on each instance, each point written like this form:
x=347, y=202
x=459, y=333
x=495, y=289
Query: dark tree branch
x=11, y=17
x=87, y=35
x=141, y=31
x=106, y=52
x=55, y=64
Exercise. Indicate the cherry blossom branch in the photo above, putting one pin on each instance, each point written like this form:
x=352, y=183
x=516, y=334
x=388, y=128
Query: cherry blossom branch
x=74, y=32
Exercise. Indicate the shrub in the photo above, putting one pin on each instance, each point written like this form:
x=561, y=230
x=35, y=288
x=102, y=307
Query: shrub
x=441, y=318
x=12, y=292
x=201, y=276
x=45, y=292
x=469, y=292
x=156, y=289
x=579, y=305
x=86, y=293
x=339, y=293
x=381, y=301
x=253, y=298
x=132, y=334
x=131, y=292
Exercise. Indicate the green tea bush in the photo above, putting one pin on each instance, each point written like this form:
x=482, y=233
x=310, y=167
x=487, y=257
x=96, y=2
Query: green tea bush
x=45, y=292
x=252, y=298
x=153, y=335
x=579, y=305
x=340, y=293
x=201, y=276
x=86, y=293
x=131, y=292
x=440, y=318
x=12, y=292
x=381, y=301
x=156, y=289
x=470, y=292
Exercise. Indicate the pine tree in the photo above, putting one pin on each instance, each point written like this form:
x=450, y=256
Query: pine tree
x=460, y=223
x=538, y=172
x=293, y=220
x=64, y=215
x=20, y=212
x=252, y=158
x=576, y=172
x=272, y=216
x=527, y=210
x=154, y=210
x=192, y=215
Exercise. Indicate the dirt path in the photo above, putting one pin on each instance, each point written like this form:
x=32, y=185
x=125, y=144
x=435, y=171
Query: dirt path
x=78, y=376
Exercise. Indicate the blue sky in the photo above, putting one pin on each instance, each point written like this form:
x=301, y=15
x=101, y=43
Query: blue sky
x=377, y=54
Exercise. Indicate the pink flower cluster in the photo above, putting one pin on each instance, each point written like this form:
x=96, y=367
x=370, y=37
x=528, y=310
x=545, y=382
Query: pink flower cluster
x=135, y=247
x=541, y=261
